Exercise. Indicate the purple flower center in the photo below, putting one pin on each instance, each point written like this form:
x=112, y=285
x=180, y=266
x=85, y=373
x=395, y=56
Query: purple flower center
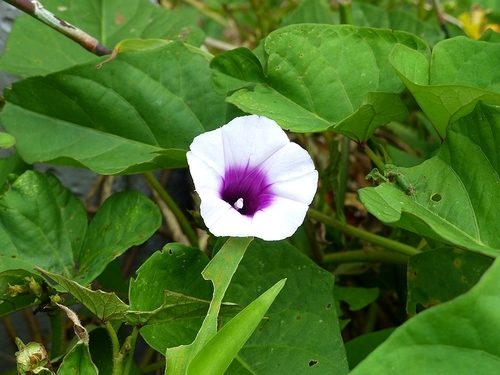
x=247, y=190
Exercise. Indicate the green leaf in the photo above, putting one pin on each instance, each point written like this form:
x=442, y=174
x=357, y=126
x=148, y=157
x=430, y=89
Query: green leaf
x=220, y=271
x=9, y=166
x=300, y=334
x=6, y=140
x=42, y=224
x=462, y=72
x=455, y=337
x=78, y=362
x=308, y=67
x=176, y=306
x=460, y=206
x=356, y=298
x=110, y=21
x=106, y=306
x=358, y=348
x=176, y=268
x=216, y=356
x=124, y=220
x=440, y=275
x=160, y=98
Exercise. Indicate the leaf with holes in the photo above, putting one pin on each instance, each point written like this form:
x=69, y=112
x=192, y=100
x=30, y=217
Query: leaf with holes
x=440, y=275
x=300, y=334
x=463, y=331
x=451, y=197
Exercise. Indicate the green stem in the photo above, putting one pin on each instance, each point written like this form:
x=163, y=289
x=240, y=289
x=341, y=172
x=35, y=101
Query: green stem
x=56, y=325
x=152, y=367
x=362, y=234
x=117, y=356
x=130, y=350
x=381, y=255
x=176, y=211
x=371, y=318
x=374, y=158
x=343, y=176
x=345, y=12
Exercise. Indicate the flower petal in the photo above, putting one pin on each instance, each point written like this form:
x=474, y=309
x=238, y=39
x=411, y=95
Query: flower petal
x=252, y=181
x=278, y=221
x=249, y=140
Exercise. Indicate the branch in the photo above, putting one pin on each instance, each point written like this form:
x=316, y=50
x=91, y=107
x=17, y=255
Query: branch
x=36, y=10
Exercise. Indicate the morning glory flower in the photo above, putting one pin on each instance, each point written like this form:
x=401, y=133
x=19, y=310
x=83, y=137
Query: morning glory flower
x=252, y=181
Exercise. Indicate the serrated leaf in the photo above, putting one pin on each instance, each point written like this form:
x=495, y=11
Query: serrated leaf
x=175, y=306
x=461, y=72
x=106, y=306
x=464, y=331
x=440, y=275
x=452, y=196
x=110, y=21
x=308, y=72
x=161, y=99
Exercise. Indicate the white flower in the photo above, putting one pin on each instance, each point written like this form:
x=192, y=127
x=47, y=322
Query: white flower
x=252, y=181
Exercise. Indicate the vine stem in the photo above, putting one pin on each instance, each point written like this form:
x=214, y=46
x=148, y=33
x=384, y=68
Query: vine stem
x=117, y=356
x=35, y=9
x=183, y=222
x=365, y=255
x=56, y=325
x=130, y=350
x=362, y=234
x=374, y=158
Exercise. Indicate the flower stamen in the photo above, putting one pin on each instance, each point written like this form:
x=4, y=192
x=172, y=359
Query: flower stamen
x=238, y=205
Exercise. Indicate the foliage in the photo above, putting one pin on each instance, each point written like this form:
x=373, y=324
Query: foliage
x=392, y=272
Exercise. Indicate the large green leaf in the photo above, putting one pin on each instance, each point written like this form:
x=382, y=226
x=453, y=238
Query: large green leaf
x=300, y=334
x=139, y=112
x=451, y=197
x=461, y=72
x=110, y=21
x=456, y=337
x=440, y=275
x=308, y=78
x=42, y=224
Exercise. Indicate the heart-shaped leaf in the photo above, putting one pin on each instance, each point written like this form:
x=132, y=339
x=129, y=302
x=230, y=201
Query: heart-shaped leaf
x=307, y=84
x=451, y=197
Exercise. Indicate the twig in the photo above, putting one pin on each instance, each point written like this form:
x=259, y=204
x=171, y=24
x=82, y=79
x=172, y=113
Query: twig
x=36, y=10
